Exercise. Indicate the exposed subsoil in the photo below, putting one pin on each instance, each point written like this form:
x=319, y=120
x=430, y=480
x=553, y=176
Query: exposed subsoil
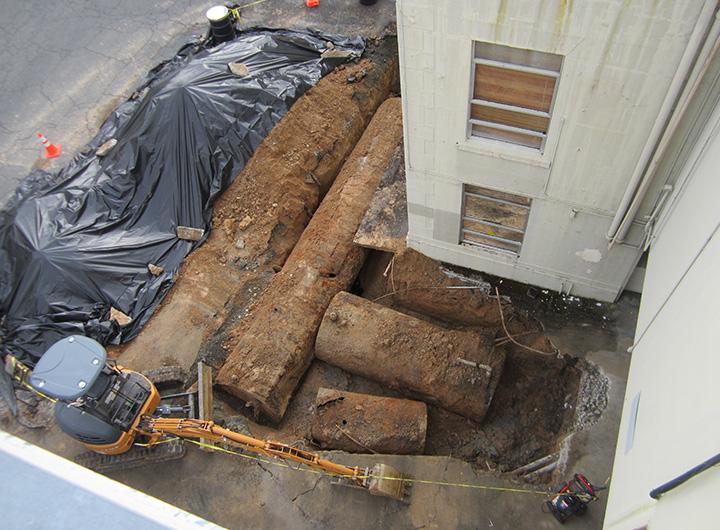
x=456, y=369
x=271, y=348
x=532, y=408
x=261, y=217
x=361, y=422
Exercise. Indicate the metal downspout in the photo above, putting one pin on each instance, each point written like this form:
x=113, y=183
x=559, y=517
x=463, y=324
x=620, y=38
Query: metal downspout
x=683, y=71
x=664, y=142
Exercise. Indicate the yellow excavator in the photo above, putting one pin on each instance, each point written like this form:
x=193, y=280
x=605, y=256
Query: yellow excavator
x=110, y=409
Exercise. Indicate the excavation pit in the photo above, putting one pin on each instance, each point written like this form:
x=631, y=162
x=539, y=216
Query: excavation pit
x=536, y=403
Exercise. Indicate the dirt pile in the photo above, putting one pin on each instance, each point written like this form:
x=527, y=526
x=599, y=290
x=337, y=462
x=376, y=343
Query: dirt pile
x=286, y=179
x=533, y=405
x=361, y=423
x=417, y=283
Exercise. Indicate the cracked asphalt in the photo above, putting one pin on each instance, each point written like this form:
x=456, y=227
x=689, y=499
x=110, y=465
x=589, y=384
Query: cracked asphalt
x=64, y=66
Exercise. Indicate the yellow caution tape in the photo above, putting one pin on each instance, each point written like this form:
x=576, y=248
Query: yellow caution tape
x=317, y=471
x=320, y=472
x=252, y=4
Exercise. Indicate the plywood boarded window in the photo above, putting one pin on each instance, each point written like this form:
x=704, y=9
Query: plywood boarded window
x=493, y=219
x=513, y=94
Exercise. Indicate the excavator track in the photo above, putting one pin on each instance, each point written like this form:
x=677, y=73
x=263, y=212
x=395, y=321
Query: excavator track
x=136, y=457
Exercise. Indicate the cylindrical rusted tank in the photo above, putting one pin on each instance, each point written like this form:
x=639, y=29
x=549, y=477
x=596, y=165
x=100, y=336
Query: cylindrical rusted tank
x=457, y=369
x=361, y=423
x=275, y=347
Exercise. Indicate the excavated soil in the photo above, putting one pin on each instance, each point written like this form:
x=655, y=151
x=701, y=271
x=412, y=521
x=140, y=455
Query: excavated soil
x=261, y=217
x=530, y=413
x=272, y=347
x=532, y=409
x=457, y=369
x=359, y=423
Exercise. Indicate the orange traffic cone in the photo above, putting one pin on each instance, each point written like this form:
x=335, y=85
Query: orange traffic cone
x=312, y=3
x=51, y=150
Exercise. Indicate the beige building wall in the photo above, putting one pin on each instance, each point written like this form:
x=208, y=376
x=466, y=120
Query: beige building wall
x=672, y=405
x=620, y=58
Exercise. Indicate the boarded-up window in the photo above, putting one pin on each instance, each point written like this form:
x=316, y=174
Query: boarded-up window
x=513, y=93
x=493, y=219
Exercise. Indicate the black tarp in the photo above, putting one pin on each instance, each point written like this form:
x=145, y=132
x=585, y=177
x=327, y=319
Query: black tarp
x=75, y=243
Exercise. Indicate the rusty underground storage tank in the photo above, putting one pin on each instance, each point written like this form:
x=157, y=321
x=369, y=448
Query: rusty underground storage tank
x=362, y=423
x=456, y=369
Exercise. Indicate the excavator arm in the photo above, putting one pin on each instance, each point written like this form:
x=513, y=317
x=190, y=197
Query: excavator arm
x=208, y=430
x=381, y=479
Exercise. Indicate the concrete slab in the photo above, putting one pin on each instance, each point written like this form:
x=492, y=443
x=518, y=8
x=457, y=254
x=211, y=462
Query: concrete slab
x=448, y=494
x=243, y=493
x=74, y=497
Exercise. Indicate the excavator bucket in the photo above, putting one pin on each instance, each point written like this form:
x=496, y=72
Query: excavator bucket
x=386, y=481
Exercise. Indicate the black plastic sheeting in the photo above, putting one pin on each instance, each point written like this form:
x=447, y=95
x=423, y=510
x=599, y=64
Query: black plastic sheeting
x=75, y=243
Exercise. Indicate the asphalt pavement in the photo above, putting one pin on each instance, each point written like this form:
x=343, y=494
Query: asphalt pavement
x=64, y=66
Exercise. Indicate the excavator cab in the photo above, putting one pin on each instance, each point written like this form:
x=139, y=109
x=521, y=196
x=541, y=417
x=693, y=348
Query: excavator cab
x=98, y=403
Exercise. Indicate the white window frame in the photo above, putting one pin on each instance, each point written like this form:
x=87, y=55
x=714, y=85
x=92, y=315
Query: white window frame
x=471, y=138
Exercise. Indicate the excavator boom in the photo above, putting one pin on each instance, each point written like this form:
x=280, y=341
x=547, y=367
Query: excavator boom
x=208, y=430
x=381, y=479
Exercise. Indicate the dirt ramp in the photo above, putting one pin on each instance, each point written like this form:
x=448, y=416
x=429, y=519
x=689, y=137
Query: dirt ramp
x=275, y=340
x=457, y=369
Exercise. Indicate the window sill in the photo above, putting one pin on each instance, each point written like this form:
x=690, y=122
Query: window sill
x=504, y=152
x=480, y=250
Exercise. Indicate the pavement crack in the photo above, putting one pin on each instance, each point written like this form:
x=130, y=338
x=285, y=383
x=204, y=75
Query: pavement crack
x=7, y=129
x=267, y=470
x=42, y=92
x=296, y=497
x=105, y=56
x=447, y=464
